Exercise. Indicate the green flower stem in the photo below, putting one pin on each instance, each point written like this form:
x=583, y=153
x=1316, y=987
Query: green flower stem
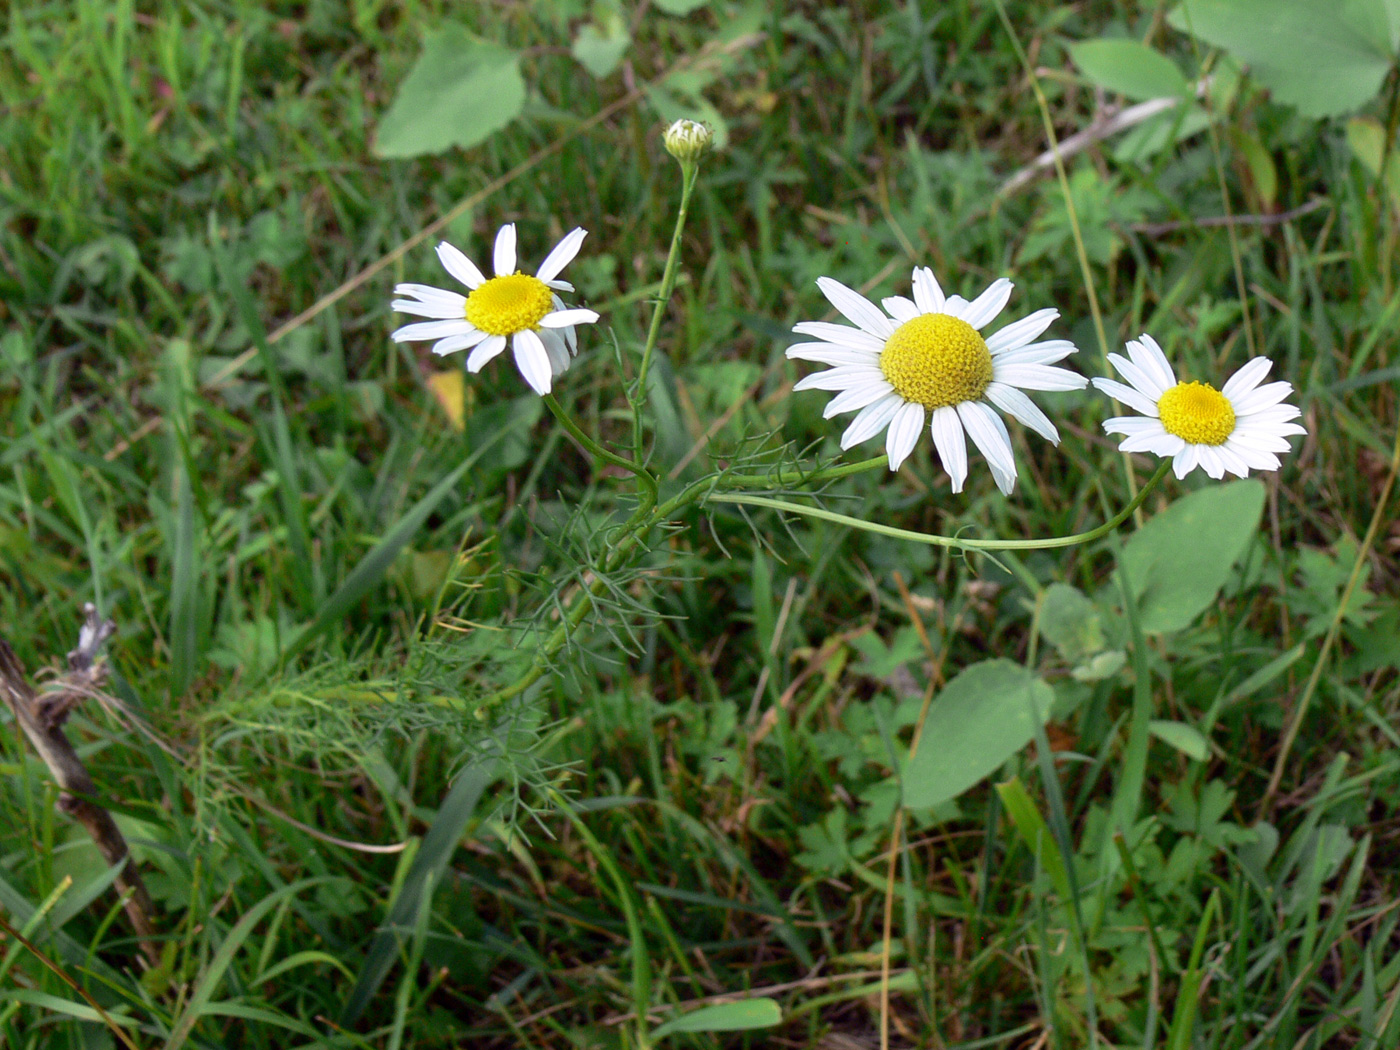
x=950, y=541
x=787, y=478
x=645, y=518
x=644, y=476
x=668, y=285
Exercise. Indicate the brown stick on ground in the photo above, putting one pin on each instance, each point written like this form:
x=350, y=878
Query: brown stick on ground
x=41, y=715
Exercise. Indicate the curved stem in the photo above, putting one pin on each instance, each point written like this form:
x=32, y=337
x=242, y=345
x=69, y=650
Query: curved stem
x=668, y=285
x=648, y=481
x=783, y=479
x=950, y=541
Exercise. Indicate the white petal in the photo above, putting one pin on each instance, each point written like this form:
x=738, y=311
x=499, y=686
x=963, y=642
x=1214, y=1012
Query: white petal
x=1022, y=409
x=1246, y=379
x=1263, y=440
x=1046, y=353
x=947, y=432
x=989, y=434
x=454, y=343
x=856, y=307
x=562, y=254
x=556, y=348
x=955, y=306
x=533, y=360
x=870, y=420
x=429, y=302
x=1148, y=356
x=503, y=258
x=570, y=336
x=485, y=351
x=1211, y=463
x=459, y=266
x=987, y=305
x=1019, y=333
x=1235, y=463
x=1260, y=398
x=904, y=432
x=840, y=335
x=1128, y=396
x=900, y=308
x=1159, y=444
x=857, y=396
x=1186, y=461
x=927, y=294
x=565, y=318
x=1133, y=425
x=1142, y=381
x=1006, y=482
x=1255, y=458
x=1040, y=377
x=425, y=292
x=560, y=286
x=431, y=330
x=1271, y=415
x=830, y=354
x=840, y=378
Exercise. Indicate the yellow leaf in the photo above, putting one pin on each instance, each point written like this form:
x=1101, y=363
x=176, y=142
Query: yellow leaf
x=450, y=390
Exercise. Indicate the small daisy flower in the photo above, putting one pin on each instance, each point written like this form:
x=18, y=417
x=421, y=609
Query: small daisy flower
x=927, y=361
x=510, y=307
x=1237, y=428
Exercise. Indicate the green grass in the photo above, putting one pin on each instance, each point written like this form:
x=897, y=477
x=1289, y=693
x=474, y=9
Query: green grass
x=701, y=801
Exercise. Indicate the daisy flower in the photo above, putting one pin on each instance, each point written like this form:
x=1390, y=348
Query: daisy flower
x=1236, y=428
x=927, y=361
x=510, y=307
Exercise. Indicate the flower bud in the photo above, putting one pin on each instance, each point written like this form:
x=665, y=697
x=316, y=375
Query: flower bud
x=686, y=140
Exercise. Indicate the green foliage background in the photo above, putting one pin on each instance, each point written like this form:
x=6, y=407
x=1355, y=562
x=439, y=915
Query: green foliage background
x=208, y=433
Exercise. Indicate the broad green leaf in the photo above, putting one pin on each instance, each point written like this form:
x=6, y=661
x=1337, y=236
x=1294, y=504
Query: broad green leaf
x=1129, y=68
x=1178, y=561
x=1325, y=59
x=458, y=93
x=725, y=1017
x=980, y=719
x=1179, y=735
x=1070, y=622
x=680, y=7
x=599, y=49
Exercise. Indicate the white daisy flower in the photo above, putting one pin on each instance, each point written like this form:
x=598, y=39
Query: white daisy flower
x=512, y=306
x=1237, y=428
x=927, y=361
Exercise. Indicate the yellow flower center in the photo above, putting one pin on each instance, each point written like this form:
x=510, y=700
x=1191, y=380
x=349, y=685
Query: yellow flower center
x=509, y=304
x=937, y=361
x=1198, y=413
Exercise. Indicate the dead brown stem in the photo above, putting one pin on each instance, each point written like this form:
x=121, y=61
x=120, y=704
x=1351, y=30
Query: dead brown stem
x=41, y=715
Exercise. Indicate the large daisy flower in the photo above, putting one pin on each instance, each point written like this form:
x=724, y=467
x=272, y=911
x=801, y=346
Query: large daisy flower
x=1237, y=428
x=927, y=361
x=511, y=307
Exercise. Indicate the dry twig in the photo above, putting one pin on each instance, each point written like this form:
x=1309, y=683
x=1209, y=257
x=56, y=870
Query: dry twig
x=41, y=715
